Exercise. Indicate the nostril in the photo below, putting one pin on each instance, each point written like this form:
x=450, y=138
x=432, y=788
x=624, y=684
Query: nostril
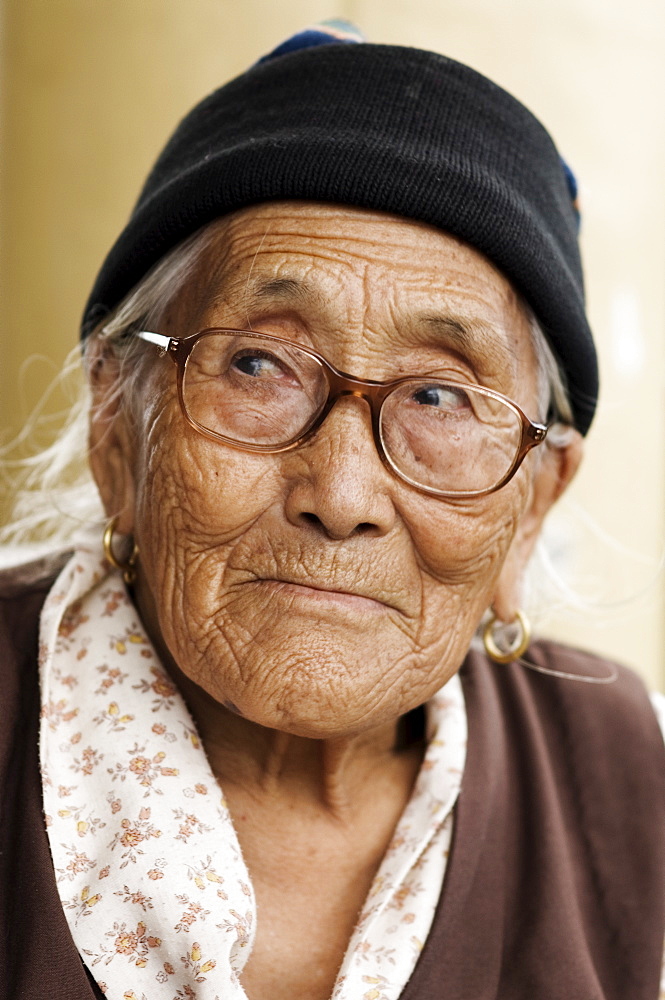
x=363, y=528
x=311, y=518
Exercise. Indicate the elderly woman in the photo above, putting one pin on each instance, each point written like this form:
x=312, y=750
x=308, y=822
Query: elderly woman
x=340, y=371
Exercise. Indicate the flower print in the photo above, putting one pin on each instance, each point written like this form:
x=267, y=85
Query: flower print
x=113, y=599
x=134, y=833
x=134, y=945
x=71, y=621
x=401, y=895
x=205, y=875
x=88, y=760
x=115, y=721
x=190, y=734
x=242, y=925
x=198, y=789
x=158, y=871
x=379, y=983
x=368, y=952
x=139, y=765
x=193, y=911
x=147, y=770
x=65, y=790
x=43, y=653
x=78, y=862
x=83, y=902
x=162, y=687
x=56, y=713
x=138, y=898
x=110, y=677
x=193, y=961
x=68, y=681
x=115, y=803
x=84, y=823
x=186, y=993
x=189, y=824
x=159, y=729
x=105, y=872
x=131, y=837
x=131, y=637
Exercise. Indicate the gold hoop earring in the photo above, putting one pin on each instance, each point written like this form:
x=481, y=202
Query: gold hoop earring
x=519, y=644
x=127, y=568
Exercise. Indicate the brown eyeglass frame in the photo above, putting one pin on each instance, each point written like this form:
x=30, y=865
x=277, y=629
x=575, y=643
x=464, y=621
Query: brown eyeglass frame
x=340, y=384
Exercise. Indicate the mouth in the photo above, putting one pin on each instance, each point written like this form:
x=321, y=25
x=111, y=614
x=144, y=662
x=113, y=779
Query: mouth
x=319, y=594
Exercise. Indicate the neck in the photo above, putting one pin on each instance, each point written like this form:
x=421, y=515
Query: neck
x=328, y=775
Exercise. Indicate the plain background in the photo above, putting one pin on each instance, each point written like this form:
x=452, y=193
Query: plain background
x=90, y=89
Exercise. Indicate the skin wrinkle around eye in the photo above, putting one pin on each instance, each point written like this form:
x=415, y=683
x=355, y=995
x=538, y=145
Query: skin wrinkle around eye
x=469, y=339
x=292, y=289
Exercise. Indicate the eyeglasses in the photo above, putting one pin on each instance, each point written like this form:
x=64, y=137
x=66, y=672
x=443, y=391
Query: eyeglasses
x=259, y=393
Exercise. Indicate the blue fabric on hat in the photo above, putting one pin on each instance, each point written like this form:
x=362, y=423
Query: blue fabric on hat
x=327, y=32
x=571, y=181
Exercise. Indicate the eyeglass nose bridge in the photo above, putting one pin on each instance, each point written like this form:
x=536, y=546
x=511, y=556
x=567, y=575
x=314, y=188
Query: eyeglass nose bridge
x=373, y=393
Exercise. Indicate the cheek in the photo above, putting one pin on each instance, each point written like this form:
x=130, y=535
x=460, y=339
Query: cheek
x=461, y=550
x=199, y=487
x=195, y=499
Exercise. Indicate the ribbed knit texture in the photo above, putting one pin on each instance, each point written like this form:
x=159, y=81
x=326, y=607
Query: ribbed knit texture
x=384, y=128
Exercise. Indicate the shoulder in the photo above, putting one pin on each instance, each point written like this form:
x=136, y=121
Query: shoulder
x=589, y=708
x=586, y=676
x=599, y=714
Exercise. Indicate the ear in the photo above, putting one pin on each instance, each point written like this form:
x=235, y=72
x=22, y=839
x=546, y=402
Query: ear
x=110, y=440
x=556, y=469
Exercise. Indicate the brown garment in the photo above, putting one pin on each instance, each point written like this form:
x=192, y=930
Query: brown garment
x=555, y=887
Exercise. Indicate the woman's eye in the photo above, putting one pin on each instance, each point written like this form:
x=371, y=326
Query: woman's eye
x=442, y=396
x=258, y=365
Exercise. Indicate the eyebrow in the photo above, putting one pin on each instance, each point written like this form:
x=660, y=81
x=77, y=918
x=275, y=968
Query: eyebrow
x=467, y=335
x=286, y=291
x=461, y=332
x=289, y=289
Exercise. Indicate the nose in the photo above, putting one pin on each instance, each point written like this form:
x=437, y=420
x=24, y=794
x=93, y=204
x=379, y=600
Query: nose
x=337, y=481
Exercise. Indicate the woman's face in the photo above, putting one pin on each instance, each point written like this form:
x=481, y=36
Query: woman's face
x=312, y=591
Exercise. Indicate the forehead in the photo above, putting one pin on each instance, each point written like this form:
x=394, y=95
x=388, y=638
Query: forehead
x=347, y=269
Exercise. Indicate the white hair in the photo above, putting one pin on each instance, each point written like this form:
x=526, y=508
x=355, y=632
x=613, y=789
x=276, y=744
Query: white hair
x=56, y=503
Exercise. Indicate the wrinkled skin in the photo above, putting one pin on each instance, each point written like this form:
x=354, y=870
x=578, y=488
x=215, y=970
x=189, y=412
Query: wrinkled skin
x=306, y=600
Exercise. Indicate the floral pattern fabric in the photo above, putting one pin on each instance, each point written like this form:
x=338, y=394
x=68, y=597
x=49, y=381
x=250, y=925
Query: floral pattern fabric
x=147, y=862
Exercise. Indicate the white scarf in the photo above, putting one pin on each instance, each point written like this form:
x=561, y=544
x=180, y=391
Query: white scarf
x=149, y=869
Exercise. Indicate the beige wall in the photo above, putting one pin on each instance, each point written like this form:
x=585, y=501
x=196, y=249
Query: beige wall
x=91, y=89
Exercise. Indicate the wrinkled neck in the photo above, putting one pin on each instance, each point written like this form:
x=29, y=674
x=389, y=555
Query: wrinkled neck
x=329, y=775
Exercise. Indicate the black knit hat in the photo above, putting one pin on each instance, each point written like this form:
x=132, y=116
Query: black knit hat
x=385, y=128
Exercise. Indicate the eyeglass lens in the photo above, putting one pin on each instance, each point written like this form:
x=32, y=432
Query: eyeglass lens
x=262, y=393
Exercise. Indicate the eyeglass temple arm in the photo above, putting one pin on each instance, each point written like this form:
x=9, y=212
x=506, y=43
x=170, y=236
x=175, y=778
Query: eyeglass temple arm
x=160, y=339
